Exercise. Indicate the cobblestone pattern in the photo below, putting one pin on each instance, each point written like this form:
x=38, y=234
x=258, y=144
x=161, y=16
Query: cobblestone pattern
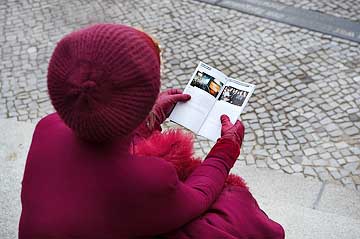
x=303, y=119
x=349, y=9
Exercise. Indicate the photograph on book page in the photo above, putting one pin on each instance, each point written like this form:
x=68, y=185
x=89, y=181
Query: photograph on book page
x=204, y=87
x=232, y=101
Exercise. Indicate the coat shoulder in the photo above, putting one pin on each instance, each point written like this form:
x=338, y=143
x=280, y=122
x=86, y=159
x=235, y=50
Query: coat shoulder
x=155, y=174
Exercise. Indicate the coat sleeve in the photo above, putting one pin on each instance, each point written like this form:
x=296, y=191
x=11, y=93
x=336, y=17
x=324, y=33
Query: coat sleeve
x=187, y=200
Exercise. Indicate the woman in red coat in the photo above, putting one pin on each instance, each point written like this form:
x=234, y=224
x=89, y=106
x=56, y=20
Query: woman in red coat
x=93, y=171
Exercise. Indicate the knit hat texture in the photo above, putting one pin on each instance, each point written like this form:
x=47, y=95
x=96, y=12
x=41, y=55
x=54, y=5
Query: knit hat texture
x=103, y=80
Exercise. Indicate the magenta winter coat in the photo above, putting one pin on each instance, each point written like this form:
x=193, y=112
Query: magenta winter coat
x=73, y=189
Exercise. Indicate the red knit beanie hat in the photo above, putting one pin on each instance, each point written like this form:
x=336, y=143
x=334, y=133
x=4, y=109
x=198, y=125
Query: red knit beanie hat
x=103, y=80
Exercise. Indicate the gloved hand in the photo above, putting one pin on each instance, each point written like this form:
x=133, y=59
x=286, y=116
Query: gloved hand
x=160, y=111
x=166, y=102
x=228, y=145
x=234, y=133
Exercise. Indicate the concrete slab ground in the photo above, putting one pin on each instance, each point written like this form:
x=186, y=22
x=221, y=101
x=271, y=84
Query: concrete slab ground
x=305, y=207
x=14, y=144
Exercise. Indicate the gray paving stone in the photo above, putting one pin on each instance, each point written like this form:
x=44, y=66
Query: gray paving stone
x=309, y=171
x=297, y=168
x=250, y=159
x=310, y=151
x=335, y=174
x=352, y=131
x=288, y=169
x=352, y=167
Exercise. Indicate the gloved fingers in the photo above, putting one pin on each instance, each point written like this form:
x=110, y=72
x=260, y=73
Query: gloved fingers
x=225, y=120
x=174, y=91
x=180, y=97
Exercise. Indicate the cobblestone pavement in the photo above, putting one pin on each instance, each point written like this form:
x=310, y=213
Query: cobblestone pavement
x=349, y=9
x=303, y=119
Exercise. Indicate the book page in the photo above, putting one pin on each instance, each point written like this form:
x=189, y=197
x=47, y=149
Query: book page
x=204, y=87
x=232, y=101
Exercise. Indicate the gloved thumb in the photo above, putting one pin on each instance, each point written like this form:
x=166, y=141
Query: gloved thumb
x=225, y=120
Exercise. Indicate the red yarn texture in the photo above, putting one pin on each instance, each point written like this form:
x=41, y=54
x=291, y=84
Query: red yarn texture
x=103, y=80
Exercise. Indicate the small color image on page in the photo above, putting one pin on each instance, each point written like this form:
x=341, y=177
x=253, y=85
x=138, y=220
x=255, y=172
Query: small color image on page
x=204, y=87
x=233, y=96
x=207, y=83
x=232, y=101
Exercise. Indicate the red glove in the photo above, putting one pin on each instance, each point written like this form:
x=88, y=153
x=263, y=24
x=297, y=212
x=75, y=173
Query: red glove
x=232, y=132
x=160, y=111
x=166, y=102
x=228, y=146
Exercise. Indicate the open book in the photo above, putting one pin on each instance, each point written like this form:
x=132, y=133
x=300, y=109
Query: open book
x=212, y=94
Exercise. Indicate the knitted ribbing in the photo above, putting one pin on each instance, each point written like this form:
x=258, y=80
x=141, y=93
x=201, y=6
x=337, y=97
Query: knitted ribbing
x=103, y=80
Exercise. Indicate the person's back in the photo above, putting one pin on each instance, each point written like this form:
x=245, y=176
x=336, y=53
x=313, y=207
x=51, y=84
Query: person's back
x=78, y=189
